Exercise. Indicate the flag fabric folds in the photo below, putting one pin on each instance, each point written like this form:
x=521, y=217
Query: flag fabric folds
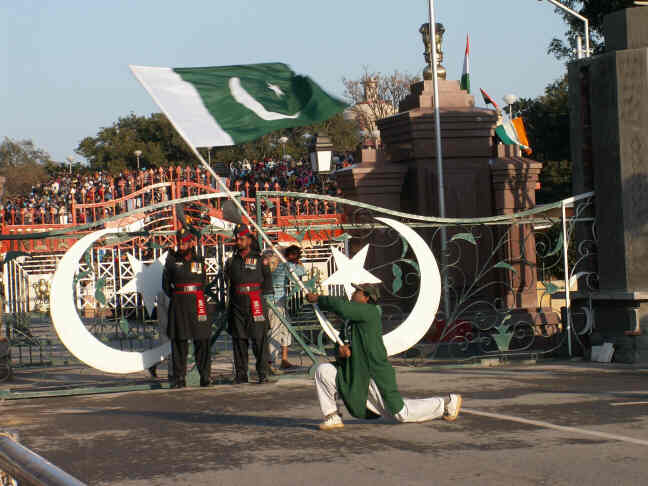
x=465, y=76
x=488, y=100
x=228, y=105
x=520, y=130
x=508, y=134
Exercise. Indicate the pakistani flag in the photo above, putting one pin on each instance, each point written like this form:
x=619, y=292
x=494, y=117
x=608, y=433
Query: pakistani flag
x=465, y=76
x=228, y=105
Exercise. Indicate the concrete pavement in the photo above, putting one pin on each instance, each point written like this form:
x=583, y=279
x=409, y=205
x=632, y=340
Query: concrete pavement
x=561, y=423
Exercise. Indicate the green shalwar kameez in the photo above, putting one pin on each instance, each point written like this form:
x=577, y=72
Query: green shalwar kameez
x=368, y=358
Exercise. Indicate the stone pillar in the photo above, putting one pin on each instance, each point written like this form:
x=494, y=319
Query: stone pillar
x=613, y=94
x=514, y=185
x=373, y=181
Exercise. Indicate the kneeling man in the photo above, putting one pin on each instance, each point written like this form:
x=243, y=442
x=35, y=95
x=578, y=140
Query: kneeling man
x=362, y=375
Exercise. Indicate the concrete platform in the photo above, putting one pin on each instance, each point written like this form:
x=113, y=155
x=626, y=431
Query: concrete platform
x=565, y=423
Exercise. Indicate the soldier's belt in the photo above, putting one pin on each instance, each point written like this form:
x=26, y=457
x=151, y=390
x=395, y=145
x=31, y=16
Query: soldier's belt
x=180, y=288
x=201, y=303
x=244, y=289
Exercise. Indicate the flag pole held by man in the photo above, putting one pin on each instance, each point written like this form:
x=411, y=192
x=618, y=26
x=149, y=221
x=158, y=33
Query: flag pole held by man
x=362, y=375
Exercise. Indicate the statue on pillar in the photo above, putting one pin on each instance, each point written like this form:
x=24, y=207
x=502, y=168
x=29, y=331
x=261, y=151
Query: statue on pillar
x=427, y=42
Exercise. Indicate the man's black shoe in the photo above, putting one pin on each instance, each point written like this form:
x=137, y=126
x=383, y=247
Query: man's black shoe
x=240, y=380
x=205, y=383
x=263, y=380
x=153, y=371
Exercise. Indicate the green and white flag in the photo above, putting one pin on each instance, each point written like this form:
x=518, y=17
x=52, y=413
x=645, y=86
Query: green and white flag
x=228, y=105
x=508, y=134
x=465, y=76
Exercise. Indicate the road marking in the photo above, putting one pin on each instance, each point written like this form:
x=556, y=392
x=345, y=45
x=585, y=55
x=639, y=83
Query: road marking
x=562, y=428
x=620, y=404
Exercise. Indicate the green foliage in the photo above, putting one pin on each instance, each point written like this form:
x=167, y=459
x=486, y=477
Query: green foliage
x=547, y=122
x=595, y=11
x=23, y=165
x=113, y=148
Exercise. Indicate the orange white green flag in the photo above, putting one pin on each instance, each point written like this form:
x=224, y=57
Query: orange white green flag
x=465, y=76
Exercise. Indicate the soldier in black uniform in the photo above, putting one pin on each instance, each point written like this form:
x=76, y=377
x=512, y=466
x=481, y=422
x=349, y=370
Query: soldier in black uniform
x=249, y=279
x=183, y=281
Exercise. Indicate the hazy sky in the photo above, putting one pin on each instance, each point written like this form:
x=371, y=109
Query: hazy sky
x=64, y=64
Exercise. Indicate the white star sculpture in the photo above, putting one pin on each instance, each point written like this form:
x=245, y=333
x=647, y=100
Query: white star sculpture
x=276, y=89
x=147, y=280
x=351, y=271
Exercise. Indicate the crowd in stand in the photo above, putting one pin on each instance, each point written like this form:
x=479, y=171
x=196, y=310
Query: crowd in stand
x=285, y=175
x=51, y=202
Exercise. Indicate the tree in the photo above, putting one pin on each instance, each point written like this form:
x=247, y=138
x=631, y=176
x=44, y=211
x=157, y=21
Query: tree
x=593, y=10
x=343, y=134
x=113, y=148
x=375, y=96
x=23, y=165
x=547, y=122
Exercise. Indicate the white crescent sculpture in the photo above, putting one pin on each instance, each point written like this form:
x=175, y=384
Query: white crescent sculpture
x=73, y=333
x=412, y=330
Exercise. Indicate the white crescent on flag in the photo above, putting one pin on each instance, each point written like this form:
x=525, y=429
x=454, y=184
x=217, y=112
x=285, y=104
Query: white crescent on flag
x=247, y=100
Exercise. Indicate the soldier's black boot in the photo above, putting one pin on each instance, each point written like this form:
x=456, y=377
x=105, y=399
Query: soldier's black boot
x=240, y=379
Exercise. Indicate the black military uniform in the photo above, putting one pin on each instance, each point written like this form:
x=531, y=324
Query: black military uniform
x=184, y=282
x=248, y=281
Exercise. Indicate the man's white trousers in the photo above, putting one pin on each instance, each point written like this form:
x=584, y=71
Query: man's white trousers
x=415, y=410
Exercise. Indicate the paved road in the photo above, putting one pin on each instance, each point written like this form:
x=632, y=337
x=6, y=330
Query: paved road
x=545, y=424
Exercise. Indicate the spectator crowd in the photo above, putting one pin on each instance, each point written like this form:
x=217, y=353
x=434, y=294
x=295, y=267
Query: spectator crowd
x=51, y=202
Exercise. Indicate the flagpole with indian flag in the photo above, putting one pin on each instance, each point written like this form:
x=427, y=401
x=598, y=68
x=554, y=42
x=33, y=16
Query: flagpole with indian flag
x=225, y=105
x=465, y=75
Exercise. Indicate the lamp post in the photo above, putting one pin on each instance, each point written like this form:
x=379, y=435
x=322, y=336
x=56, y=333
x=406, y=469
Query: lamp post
x=70, y=160
x=509, y=99
x=580, y=17
x=321, y=153
x=137, y=154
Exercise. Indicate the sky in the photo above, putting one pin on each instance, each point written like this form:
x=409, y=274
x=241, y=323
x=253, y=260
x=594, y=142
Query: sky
x=64, y=63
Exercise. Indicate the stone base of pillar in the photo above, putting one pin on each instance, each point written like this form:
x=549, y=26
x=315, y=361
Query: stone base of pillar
x=373, y=181
x=620, y=318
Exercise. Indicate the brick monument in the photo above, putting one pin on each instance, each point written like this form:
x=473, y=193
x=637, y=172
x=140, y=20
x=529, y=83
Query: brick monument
x=609, y=137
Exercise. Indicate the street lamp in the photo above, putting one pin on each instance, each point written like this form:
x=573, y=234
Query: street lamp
x=321, y=153
x=580, y=17
x=137, y=154
x=70, y=160
x=509, y=99
x=283, y=141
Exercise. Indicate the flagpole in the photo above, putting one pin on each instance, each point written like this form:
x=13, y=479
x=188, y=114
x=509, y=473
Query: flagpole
x=253, y=223
x=439, y=156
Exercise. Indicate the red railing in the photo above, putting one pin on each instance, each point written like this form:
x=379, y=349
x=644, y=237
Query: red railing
x=158, y=185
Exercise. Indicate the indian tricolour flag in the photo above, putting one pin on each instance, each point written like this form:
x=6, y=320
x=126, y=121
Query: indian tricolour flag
x=228, y=105
x=508, y=134
x=465, y=76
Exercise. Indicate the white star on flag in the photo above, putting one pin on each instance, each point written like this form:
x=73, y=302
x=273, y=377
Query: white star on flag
x=351, y=271
x=276, y=89
x=147, y=280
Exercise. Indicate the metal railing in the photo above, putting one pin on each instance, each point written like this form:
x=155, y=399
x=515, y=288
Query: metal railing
x=21, y=466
